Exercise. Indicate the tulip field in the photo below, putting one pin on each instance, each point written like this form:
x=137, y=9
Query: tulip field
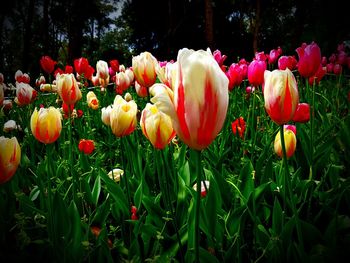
x=101, y=162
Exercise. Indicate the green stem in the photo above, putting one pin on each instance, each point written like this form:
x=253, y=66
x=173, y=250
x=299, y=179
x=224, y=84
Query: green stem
x=50, y=223
x=287, y=188
x=198, y=173
x=70, y=156
x=125, y=150
x=312, y=117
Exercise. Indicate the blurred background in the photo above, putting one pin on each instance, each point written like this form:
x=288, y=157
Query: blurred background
x=119, y=29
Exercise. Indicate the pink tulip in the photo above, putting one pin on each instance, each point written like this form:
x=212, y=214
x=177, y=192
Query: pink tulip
x=309, y=59
x=234, y=75
x=256, y=71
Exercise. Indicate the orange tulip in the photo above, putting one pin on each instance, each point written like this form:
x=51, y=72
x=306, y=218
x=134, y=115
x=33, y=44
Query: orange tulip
x=198, y=104
x=46, y=124
x=281, y=95
x=156, y=126
x=68, y=88
x=10, y=157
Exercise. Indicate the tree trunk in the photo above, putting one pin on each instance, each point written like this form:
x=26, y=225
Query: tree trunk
x=256, y=27
x=209, y=32
x=27, y=37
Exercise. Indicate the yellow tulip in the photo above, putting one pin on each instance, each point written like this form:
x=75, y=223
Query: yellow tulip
x=156, y=126
x=123, y=116
x=46, y=124
x=290, y=142
x=10, y=156
x=92, y=100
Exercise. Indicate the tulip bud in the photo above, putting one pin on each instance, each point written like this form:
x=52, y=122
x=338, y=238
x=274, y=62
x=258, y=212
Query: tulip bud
x=290, y=143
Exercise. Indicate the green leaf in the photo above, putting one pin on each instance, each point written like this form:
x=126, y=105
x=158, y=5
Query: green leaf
x=277, y=218
x=75, y=245
x=96, y=190
x=247, y=181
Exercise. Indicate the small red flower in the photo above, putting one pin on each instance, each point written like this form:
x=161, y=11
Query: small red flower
x=86, y=146
x=80, y=113
x=133, y=213
x=239, y=125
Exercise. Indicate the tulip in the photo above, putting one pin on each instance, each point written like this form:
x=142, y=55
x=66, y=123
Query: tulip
x=239, y=126
x=273, y=56
x=25, y=94
x=47, y=64
x=102, y=73
x=123, y=116
x=114, y=64
x=68, y=89
x=144, y=67
x=302, y=113
x=10, y=125
x=235, y=75
x=92, y=100
x=39, y=81
x=281, y=95
x=204, y=186
x=68, y=69
x=115, y=174
x=337, y=70
x=198, y=104
x=122, y=82
x=20, y=77
x=290, y=143
x=86, y=146
x=287, y=62
x=256, y=71
x=1, y=78
x=309, y=59
x=140, y=90
x=105, y=116
x=46, y=124
x=10, y=157
x=318, y=76
x=156, y=126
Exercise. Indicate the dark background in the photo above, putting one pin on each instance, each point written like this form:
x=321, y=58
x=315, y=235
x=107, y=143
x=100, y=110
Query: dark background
x=67, y=29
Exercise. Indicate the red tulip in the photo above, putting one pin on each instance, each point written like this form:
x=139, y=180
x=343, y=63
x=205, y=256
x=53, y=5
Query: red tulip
x=309, y=59
x=86, y=146
x=287, y=62
x=302, y=113
x=337, y=70
x=318, y=76
x=47, y=64
x=234, y=75
x=238, y=126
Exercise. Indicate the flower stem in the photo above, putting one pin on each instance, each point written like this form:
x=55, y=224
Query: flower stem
x=198, y=173
x=287, y=188
x=312, y=117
